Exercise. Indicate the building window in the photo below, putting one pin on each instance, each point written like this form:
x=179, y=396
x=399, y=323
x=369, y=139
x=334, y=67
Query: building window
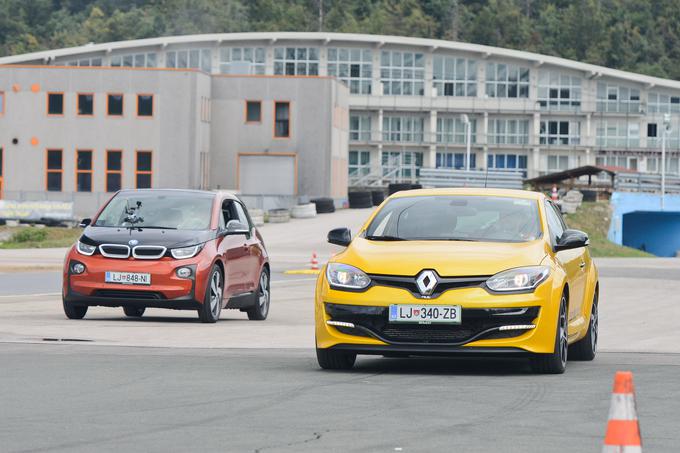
x=296, y=61
x=138, y=60
x=359, y=165
x=253, y=111
x=559, y=92
x=653, y=164
x=507, y=81
x=651, y=130
x=282, y=119
x=145, y=105
x=508, y=132
x=663, y=103
x=242, y=60
x=189, y=58
x=403, y=129
x=85, y=104
x=617, y=99
x=114, y=105
x=618, y=134
x=452, y=130
x=114, y=170
x=402, y=73
x=360, y=128
x=143, y=170
x=505, y=161
x=84, y=170
x=558, y=163
x=455, y=160
x=55, y=169
x=401, y=165
x=454, y=76
x=560, y=133
x=55, y=103
x=85, y=62
x=352, y=66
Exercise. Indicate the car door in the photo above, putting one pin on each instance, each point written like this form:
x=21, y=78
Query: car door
x=572, y=261
x=234, y=249
x=254, y=251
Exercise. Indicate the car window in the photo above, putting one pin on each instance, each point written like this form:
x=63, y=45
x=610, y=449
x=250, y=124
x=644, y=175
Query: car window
x=457, y=218
x=242, y=217
x=555, y=222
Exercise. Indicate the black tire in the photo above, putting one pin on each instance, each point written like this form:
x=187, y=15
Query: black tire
x=335, y=360
x=360, y=199
x=377, y=197
x=210, y=309
x=398, y=187
x=74, y=311
x=555, y=362
x=586, y=348
x=261, y=309
x=134, y=312
x=323, y=205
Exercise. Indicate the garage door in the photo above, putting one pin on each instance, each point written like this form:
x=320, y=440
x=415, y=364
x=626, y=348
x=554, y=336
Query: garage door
x=267, y=174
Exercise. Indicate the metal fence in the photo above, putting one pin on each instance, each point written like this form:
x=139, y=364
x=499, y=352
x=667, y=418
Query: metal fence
x=442, y=177
x=645, y=182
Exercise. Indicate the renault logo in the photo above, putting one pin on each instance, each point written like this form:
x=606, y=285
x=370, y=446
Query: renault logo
x=427, y=281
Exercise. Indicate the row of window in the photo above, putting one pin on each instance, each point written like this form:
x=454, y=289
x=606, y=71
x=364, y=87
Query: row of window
x=115, y=104
x=84, y=168
x=281, y=116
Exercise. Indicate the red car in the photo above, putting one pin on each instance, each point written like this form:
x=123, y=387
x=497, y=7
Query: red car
x=178, y=249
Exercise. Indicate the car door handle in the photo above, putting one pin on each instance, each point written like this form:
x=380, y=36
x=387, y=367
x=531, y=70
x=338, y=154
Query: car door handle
x=582, y=264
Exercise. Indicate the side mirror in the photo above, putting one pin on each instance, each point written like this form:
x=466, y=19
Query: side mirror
x=572, y=239
x=236, y=227
x=340, y=236
x=85, y=222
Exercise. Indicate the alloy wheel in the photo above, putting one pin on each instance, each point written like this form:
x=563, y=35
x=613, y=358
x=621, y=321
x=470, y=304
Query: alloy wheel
x=593, y=325
x=564, y=344
x=215, y=293
x=263, y=296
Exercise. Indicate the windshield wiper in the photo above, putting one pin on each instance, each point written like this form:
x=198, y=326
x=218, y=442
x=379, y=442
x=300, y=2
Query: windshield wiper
x=385, y=238
x=154, y=227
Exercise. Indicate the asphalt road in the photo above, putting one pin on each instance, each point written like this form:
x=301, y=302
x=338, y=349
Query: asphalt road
x=68, y=398
x=168, y=383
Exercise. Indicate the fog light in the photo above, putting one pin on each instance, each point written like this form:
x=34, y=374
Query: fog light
x=184, y=272
x=77, y=268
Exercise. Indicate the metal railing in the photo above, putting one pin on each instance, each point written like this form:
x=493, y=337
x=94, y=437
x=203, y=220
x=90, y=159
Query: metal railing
x=443, y=177
x=645, y=182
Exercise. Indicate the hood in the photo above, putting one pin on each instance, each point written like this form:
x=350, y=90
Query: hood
x=447, y=258
x=146, y=236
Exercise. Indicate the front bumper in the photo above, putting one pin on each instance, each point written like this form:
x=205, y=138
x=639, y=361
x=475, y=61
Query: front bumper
x=479, y=331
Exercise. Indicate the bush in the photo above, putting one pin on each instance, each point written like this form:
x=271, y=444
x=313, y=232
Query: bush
x=29, y=235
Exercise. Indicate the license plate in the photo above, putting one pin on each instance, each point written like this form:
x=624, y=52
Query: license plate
x=127, y=278
x=426, y=314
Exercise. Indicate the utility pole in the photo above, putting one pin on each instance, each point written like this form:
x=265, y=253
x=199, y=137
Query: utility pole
x=468, y=139
x=666, y=128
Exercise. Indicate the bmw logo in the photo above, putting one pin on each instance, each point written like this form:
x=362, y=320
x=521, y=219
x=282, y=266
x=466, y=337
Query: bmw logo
x=133, y=242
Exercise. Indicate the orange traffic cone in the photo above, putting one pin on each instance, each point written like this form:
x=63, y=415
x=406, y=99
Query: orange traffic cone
x=623, y=429
x=554, y=193
x=314, y=262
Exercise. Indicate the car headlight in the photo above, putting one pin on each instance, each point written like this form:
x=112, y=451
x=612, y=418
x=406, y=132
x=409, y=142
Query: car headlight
x=186, y=252
x=85, y=249
x=518, y=279
x=344, y=276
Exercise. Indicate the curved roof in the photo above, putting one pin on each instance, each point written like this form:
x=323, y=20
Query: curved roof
x=592, y=71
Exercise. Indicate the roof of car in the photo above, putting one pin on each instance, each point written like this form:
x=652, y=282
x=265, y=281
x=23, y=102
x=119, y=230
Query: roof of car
x=212, y=193
x=512, y=193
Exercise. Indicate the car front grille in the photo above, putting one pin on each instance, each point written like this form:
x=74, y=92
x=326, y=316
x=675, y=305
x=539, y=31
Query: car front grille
x=476, y=324
x=119, y=251
x=148, y=252
x=444, y=283
x=128, y=294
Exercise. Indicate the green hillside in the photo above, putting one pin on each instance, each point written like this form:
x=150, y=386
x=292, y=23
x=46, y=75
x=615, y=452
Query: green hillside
x=635, y=35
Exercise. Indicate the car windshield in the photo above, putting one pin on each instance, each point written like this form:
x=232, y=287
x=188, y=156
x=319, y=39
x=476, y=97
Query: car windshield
x=457, y=218
x=167, y=210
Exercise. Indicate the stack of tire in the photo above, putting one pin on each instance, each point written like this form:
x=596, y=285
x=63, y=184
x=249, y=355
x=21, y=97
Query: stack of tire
x=257, y=216
x=377, y=196
x=360, y=199
x=323, y=205
x=303, y=211
x=279, y=215
x=398, y=187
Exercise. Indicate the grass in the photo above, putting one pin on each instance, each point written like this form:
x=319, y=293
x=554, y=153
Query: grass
x=31, y=238
x=594, y=218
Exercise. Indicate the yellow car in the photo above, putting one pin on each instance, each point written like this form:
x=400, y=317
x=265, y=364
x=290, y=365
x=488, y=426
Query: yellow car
x=459, y=271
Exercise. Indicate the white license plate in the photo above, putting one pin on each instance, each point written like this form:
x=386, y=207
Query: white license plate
x=127, y=278
x=426, y=314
